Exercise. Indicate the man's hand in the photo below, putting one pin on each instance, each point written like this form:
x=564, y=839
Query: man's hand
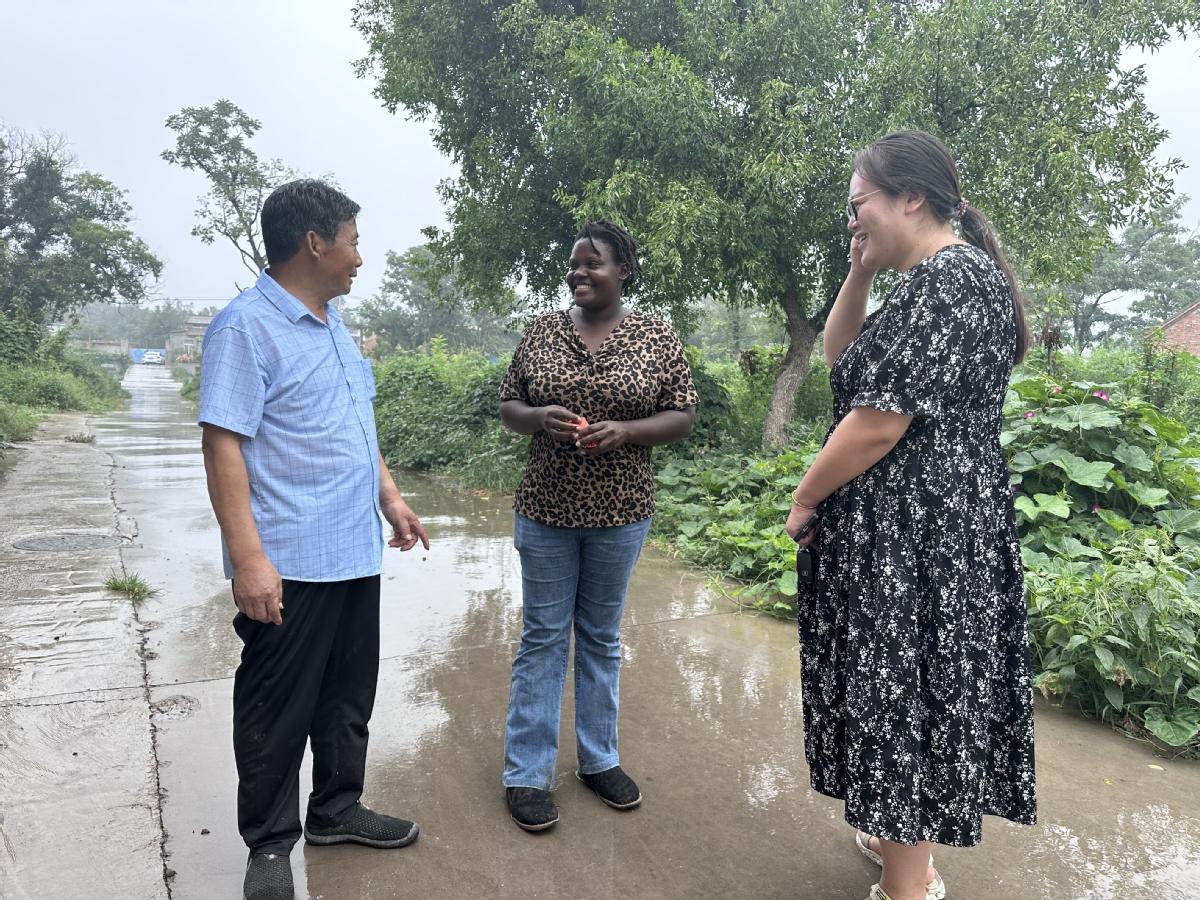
x=558, y=422
x=258, y=591
x=406, y=527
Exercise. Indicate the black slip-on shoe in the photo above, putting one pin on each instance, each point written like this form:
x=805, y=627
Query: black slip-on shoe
x=614, y=787
x=531, y=808
x=367, y=827
x=268, y=877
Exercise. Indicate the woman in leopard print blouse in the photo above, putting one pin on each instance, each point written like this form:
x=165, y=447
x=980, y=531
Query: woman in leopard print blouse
x=914, y=638
x=597, y=386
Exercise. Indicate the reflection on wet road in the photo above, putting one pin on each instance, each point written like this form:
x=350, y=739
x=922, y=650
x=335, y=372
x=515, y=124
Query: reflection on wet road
x=710, y=725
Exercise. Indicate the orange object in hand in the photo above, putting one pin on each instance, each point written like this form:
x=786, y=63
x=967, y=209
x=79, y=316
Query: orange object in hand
x=579, y=426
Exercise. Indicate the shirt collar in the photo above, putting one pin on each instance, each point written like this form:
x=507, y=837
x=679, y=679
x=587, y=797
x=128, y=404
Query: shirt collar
x=287, y=303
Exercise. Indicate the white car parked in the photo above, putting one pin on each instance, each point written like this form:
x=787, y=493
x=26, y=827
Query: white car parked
x=153, y=357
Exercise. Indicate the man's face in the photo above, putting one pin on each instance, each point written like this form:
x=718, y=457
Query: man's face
x=340, y=260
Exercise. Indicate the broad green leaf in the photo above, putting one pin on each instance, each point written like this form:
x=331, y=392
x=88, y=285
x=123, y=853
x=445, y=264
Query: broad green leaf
x=1194, y=693
x=1179, y=521
x=787, y=583
x=1104, y=656
x=1083, y=417
x=1075, y=549
x=1080, y=471
x=1052, y=504
x=1075, y=641
x=1134, y=457
x=1175, y=731
x=1024, y=504
x=1022, y=462
x=1148, y=496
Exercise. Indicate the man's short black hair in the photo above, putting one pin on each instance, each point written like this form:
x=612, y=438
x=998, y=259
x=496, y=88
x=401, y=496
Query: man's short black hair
x=298, y=207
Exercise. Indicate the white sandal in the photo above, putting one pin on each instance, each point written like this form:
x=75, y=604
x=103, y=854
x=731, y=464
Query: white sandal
x=935, y=890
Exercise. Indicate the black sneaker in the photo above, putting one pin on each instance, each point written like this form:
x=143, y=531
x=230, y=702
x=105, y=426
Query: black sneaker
x=268, y=877
x=614, y=787
x=368, y=827
x=531, y=808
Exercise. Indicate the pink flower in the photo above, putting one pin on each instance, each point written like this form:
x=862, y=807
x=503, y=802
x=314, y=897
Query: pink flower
x=1030, y=414
x=1095, y=507
x=1057, y=389
x=1015, y=488
x=1103, y=396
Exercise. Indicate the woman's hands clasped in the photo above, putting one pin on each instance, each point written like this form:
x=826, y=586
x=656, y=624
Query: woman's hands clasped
x=591, y=439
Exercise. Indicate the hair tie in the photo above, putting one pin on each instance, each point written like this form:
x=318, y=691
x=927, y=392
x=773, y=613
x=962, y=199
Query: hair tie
x=962, y=206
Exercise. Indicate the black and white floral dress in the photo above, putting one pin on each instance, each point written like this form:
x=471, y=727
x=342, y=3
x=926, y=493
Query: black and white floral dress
x=915, y=661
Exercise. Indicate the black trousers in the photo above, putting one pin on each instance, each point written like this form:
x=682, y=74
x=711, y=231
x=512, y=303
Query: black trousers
x=310, y=679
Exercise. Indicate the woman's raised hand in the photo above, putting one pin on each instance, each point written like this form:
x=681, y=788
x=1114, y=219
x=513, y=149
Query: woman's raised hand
x=559, y=423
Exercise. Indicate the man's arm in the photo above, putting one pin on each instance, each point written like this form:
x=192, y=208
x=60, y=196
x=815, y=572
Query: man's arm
x=406, y=527
x=257, y=587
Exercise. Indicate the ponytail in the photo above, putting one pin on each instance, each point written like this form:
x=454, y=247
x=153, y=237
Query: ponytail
x=977, y=230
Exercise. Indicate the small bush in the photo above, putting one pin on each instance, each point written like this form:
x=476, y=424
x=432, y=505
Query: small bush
x=16, y=424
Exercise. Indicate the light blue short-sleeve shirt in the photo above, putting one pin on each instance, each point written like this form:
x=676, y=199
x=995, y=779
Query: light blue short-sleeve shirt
x=301, y=394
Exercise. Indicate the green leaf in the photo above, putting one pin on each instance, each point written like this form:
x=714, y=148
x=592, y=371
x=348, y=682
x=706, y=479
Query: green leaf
x=1083, y=417
x=1175, y=731
x=1117, y=523
x=1075, y=549
x=788, y=583
x=1075, y=641
x=1022, y=462
x=1080, y=471
x=1179, y=521
x=1052, y=504
x=1134, y=457
x=1114, y=695
x=1148, y=496
x=1104, y=656
x=691, y=529
x=1194, y=694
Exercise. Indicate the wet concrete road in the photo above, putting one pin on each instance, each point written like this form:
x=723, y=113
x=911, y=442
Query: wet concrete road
x=710, y=723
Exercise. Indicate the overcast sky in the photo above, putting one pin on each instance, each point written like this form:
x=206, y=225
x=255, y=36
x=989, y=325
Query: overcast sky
x=107, y=75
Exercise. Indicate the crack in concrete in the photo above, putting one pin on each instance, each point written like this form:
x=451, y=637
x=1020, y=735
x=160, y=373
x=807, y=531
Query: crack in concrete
x=143, y=636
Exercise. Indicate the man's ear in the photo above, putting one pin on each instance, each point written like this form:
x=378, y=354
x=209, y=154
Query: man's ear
x=314, y=244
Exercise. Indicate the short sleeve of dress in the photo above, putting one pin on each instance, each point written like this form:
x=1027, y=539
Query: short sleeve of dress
x=513, y=386
x=923, y=344
x=677, y=389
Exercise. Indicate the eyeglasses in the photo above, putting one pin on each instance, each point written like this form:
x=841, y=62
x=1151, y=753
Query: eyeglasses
x=852, y=204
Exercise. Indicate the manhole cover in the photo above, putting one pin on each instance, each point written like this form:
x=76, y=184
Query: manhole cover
x=67, y=541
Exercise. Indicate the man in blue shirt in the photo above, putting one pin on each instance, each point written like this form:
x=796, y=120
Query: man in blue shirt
x=298, y=486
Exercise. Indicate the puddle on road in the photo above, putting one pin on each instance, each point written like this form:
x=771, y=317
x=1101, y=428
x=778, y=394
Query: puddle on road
x=709, y=700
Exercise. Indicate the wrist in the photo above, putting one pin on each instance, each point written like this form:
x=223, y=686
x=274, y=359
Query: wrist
x=801, y=501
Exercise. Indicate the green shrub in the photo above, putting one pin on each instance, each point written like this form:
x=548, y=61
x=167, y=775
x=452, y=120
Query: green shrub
x=16, y=423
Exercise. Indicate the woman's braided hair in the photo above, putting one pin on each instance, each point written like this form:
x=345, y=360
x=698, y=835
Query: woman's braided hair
x=622, y=245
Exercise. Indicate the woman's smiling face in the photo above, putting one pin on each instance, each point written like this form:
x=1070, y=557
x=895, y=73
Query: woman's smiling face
x=884, y=233
x=593, y=276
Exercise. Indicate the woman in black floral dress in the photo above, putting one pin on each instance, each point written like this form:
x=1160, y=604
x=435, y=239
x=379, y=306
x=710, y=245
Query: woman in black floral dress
x=917, y=699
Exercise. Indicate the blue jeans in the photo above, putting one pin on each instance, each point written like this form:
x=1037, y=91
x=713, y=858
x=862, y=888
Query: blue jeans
x=579, y=576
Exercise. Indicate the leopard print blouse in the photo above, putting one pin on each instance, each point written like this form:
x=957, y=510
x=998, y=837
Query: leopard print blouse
x=638, y=371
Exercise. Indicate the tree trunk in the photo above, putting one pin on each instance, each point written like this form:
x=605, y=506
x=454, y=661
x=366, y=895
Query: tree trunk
x=801, y=334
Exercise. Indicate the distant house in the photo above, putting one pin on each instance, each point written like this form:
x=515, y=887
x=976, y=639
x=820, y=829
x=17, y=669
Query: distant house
x=1183, y=331
x=185, y=346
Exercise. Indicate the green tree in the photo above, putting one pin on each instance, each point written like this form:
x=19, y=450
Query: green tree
x=65, y=239
x=215, y=140
x=721, y=133
x=142, y=326
x=1156, y=261
x=419, y=300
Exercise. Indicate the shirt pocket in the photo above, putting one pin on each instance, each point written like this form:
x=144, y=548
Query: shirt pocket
x=368, y=374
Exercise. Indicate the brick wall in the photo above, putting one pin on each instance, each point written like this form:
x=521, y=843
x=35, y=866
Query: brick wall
x=1184, y=332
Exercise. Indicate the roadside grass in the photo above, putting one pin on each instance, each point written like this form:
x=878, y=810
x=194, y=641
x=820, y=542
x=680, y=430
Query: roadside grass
x=16, y=423
x=80, y=437
x=131, y=585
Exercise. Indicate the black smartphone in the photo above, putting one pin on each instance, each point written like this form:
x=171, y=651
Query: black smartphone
x=808, y=526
